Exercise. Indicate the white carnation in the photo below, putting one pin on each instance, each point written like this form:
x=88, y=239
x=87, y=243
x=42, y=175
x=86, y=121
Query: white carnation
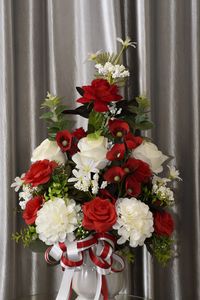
x=48, y=150
x=56, y=220
x=135, y=221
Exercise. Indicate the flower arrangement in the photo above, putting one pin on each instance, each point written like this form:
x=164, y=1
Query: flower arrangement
x=101, y=181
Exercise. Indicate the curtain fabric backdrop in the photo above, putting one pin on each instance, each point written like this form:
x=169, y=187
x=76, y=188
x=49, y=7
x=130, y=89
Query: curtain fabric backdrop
x=44, y=45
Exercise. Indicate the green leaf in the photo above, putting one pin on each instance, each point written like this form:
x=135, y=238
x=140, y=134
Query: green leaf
x=60, y=109
x=47, y=115
x=96, y=121
x=143, y=103
x=104, y=57
x=95, y=135
x=144, y=125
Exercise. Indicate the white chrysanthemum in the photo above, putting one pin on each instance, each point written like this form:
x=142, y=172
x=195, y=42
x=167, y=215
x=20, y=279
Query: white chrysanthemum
x=135, y=221
x=56, y=220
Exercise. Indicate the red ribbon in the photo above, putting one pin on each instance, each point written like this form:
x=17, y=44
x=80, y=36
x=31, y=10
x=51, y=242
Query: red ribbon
x=102, y=260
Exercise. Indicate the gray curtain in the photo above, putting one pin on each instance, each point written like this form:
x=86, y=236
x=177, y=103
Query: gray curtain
x=44, y=45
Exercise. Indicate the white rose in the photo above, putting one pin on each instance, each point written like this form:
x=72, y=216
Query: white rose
x=149, y=153
x=48, y=150
x=94, y=149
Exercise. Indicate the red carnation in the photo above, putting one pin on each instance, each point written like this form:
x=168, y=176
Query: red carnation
x=133, y=187
x=116, y=153
x=32, y=207
x=163, y=223
x=64, y=140
x=114, y=174
x=101, y=93
x=40, y=172
x=99, y=215
x=118, y=128
x=132, y=141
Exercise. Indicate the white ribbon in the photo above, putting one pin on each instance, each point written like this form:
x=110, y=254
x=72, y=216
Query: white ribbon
x=74, y=254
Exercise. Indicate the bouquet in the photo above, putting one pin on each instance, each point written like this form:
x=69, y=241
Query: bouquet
x=104, y=186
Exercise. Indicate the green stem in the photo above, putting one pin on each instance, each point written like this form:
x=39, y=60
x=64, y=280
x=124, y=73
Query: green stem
x=119, y=55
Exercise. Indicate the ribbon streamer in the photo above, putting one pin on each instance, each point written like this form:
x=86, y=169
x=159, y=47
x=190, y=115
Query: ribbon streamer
x=100, y=248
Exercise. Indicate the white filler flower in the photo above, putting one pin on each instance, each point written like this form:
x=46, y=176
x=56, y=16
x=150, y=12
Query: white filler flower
x=135, y=221
x=48, y=150
x=56, y=220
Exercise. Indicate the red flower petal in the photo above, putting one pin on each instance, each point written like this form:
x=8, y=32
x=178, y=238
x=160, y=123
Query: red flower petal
x=64, y=140
x=118, y=128
x=163, y=223
x=99, y=215
x=106, y=195
x=40, y=172
x=138, y=168
x=32, y=207
x=101, y=93
x=133, y=187
x=132, y=141
x=114, y=174
x=116, y=153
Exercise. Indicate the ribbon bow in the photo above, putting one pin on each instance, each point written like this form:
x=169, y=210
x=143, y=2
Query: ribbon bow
x=100, y=248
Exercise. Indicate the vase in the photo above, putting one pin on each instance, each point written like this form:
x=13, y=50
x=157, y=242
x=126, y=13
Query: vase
x=85, y=282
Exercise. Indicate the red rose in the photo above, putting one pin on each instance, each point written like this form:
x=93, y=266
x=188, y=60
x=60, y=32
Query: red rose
x=64, y=140
x=118, y=128
x=114, y=174
x=116, y=152
x=40, y=172
x=32, y=207
x=99, y=215
x=163, y=223
x=132, y=141
x=101, y=93
x=133, y=187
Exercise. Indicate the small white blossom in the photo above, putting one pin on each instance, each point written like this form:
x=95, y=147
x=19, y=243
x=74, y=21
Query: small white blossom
x=173, y=173
x=57, y=220
x=104, y=185
x=113, y=109
x=93, y=56
x=163, y=193
x=134, y=222
x=160, y=181
x=115, y=71
x=26, y=194
x=82, y=179
x=127, y=42
x=18, y=183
